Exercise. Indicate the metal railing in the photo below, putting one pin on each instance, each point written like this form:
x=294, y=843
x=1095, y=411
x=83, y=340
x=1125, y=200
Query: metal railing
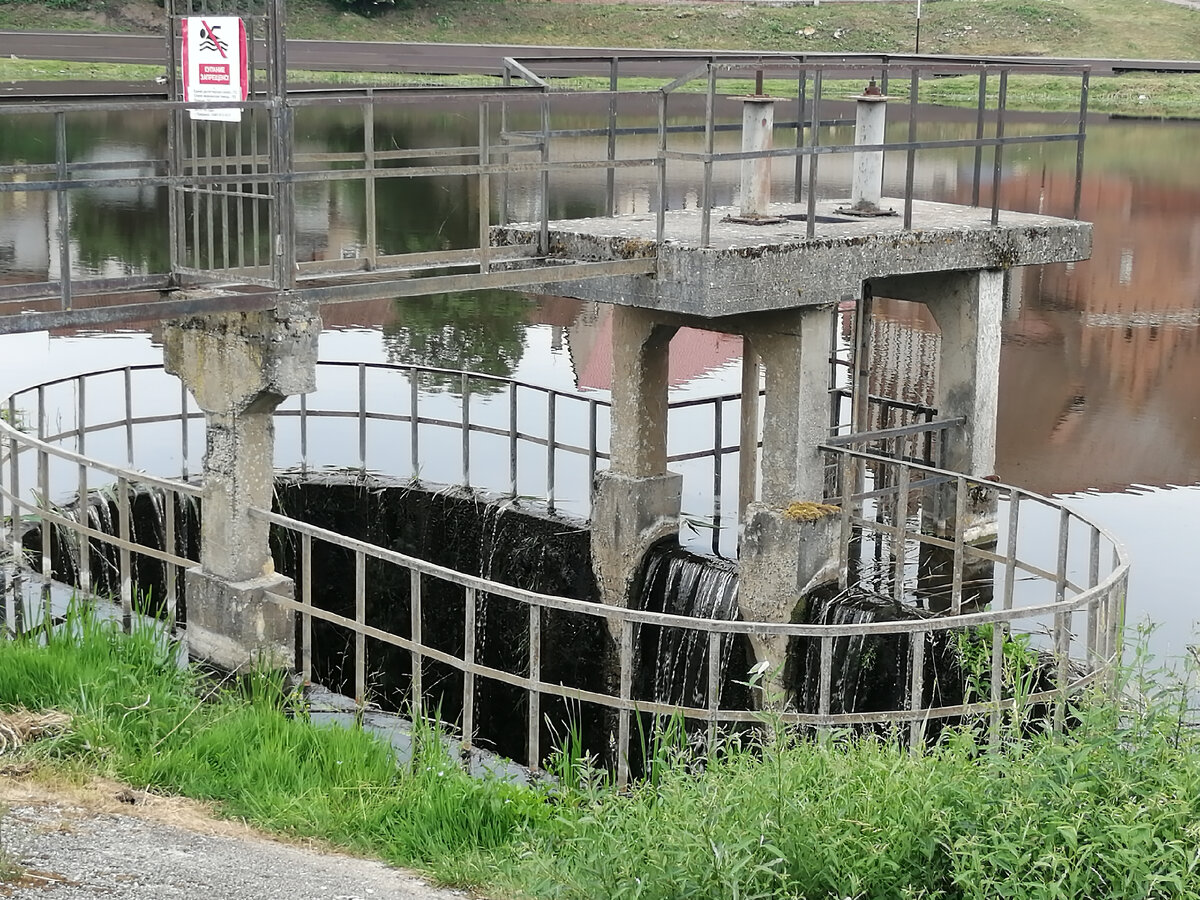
x=1003, y=559
x=233, y=186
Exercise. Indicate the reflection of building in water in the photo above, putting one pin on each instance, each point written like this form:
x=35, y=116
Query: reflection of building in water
x=905, y=348
x=693, y=352
x=1101, y=359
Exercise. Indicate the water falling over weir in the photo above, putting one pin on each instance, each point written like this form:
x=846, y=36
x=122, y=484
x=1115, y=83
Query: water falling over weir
x=507, y=543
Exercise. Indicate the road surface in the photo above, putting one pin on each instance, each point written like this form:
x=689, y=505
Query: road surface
x=450, y=59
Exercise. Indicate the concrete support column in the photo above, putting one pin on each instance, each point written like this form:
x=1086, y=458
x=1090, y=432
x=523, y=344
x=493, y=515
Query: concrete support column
x=636, y=502
x=968, y=307
x=784, y=553
x=239, y=367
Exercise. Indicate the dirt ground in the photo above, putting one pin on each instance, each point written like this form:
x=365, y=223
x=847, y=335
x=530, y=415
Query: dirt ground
x=102, y=839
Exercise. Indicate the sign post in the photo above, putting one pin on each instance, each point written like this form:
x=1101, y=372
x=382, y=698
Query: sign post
x=214, y=65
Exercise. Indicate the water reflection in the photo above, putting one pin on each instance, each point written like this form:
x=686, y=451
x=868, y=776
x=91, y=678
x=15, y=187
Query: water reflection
x=1100, y=359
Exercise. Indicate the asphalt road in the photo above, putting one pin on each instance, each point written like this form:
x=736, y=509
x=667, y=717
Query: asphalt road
x=366, y=56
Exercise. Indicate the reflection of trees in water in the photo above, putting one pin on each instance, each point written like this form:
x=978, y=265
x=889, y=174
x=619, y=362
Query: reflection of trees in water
x=131, y=233
x=479, y=331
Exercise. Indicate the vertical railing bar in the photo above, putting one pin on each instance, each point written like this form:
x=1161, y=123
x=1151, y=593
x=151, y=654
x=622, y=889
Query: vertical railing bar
x=1010, y=554
x=512, y=439
x=1081, y=141
x=610, y=180
x=1093, y=580
x=718, y=460
x=306, y=646
x=224, y=169
x=998, y=158
x=798, y=174
x=14, y=478
x=551, y=445
x=1062, y=620
x=81, y=503
x=183, y=428
x=414, y=615
x=710, y=99
x=660, y=221
x=360, y=638
x=170, y=504
x=996, y=690
x=129, y=415
x=362, y=417
x=625, y=674
x=304, y=432
x=485, y=191
x=900, y=550
x=814, y=142
x=848, y=481
x=194, y=144
x=414, y=422
x=544, y=232
x=916, y=700
x=505, y=80
x=43, y=482
x=125, y=560
x=979, y=129
x=372, y=236
x=960, y=527
x=534, y=740
x=714, y=688
x=592, y=449
x=911, y=154
x=256, y=167
x=210, y=218
x=64, y=211
x=241, y=204
x=825, y=683
x=468, y=714
x=466, y=429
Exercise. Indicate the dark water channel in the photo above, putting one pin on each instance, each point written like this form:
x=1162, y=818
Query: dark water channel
x=1100, y=363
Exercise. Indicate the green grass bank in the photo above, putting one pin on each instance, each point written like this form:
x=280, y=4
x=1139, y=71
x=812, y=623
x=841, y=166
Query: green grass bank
x=1112, y=810
x=1153, y=29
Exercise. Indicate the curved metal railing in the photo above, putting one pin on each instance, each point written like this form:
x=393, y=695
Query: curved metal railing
x=1000, y=561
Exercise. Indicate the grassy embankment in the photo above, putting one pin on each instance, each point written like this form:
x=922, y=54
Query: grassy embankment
x=1071, y=28
x=1111, y=810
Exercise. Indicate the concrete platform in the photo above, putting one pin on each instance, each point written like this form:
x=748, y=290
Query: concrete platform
x=759, y=268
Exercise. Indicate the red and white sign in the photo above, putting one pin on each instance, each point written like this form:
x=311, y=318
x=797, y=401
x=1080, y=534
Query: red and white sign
x=214, y=65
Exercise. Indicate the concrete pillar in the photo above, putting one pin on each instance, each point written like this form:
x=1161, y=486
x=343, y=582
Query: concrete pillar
x=783, y=552
x=239, y=367
x=968, y=307
x=636, y=502
x=758, y=128
x=869, y=128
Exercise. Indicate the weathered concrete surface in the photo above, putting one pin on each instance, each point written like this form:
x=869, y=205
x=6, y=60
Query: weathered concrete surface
x=240, y=367
x=234, y=626
x=781, y=560
x=794, y=351
x=752, y=268
x=636, y=502
x=629, y=516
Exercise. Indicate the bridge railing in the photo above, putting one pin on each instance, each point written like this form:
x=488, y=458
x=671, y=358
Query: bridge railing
x=255, y=202
x=954, y=561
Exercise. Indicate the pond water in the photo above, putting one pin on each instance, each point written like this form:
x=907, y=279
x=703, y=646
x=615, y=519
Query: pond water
x=1100, y=367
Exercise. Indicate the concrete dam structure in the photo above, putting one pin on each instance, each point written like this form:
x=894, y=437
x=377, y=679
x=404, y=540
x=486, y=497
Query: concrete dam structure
x=830, y=509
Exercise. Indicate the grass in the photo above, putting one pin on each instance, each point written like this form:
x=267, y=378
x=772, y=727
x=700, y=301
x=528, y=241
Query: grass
x=1137, y=29
x=1112, y=810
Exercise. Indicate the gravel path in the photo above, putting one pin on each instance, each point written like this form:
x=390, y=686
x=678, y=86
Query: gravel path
x=105, y=841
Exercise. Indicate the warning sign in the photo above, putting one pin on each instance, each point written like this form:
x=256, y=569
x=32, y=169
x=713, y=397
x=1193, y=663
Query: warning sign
x=214, y=65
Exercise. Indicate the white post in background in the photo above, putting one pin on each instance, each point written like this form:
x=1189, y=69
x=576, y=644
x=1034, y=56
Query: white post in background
x=869, y=128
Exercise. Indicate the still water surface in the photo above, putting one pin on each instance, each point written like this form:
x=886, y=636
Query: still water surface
x=1100, y=368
